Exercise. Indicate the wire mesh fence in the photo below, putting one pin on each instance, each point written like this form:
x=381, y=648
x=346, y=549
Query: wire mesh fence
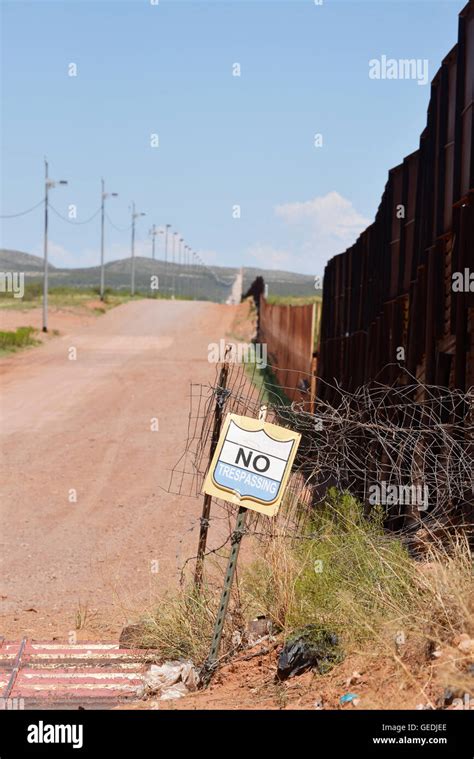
x=408, y=449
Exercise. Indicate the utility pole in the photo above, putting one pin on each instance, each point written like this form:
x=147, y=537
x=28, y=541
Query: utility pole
x=175, y=234
x=104, y=195
x=196, y=273
x=193, y=272
x=180, y=261
x=166, y=255
x=201, y=274
x=135, y=215
x=45, y=254
x=186, y=249
x=153, y=234
x=48, y=184
x=190, y=270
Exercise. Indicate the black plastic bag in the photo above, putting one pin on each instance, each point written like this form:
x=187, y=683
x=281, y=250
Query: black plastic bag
x=312, y=648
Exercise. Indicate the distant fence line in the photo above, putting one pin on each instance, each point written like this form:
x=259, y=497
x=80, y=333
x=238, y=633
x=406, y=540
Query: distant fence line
x=290, y=333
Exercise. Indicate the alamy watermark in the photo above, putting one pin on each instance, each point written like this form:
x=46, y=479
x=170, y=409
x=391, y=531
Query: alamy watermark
x=42, y=732
x=463, y=281
x=12, y=282
x=403, y=68
x=383, y=494
x=238, y=353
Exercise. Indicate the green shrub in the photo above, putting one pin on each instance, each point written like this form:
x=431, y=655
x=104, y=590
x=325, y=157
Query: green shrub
x=19, y=338
x=344, y=575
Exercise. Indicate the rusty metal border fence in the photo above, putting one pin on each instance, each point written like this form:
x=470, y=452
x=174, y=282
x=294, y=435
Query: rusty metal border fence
x=289, y=333
x=392, y=289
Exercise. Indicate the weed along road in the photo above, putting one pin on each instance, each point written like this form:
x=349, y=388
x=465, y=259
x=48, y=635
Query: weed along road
x=91, y=424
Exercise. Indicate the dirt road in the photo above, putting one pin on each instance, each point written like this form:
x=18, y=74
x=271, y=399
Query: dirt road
x=82, y=429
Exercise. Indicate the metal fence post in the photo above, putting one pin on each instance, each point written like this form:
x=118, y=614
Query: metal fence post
x=221, y=395
x=210, y=664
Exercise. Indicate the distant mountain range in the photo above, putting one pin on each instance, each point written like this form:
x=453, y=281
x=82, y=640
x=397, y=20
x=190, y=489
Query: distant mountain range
x=16, y=260
x=211, y=283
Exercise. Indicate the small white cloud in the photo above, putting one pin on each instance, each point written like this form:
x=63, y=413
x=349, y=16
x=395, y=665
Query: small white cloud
x=330, y=223
x=315, y=230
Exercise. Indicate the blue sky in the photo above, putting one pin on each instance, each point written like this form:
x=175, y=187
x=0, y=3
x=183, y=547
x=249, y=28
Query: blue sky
x=224, y=140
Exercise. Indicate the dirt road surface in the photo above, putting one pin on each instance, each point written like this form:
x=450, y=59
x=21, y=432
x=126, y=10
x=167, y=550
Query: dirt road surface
x=84, y=426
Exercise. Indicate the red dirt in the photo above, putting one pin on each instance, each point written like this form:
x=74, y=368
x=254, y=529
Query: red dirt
x=64, y=320
x=86, y=566
x=381, y=682
x=85, y=425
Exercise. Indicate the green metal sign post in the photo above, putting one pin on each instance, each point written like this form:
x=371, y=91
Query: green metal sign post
x=210, y=664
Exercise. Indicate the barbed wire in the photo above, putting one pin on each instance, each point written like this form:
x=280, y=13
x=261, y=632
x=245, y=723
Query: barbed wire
x=408, y=448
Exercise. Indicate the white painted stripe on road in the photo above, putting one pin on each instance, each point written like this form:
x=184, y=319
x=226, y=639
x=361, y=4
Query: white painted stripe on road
x=77, y=675
x=75, y=646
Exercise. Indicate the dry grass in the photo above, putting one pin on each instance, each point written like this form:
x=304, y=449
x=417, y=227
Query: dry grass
x=361, y=583
x=352, y=578
x=181, y=625
x=85, y=616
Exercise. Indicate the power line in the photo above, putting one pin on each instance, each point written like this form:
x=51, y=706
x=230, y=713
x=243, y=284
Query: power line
x=22, y=213
x=218, y=280
x=119, y=229
x=69, y=221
